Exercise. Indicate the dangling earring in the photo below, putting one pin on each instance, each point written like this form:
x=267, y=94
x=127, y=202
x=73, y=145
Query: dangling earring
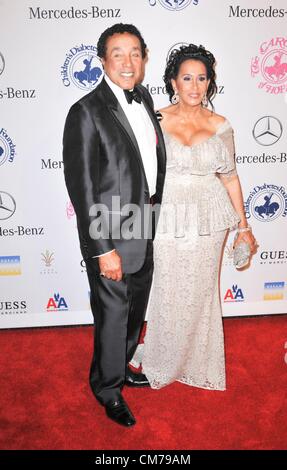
x=204, y=101
x=175, y=98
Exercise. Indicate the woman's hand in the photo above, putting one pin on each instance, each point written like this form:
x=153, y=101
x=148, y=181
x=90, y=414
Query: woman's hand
x=249, y=238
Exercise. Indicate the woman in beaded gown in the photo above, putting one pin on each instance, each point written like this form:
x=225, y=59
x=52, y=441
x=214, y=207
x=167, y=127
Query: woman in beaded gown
x=202, y=199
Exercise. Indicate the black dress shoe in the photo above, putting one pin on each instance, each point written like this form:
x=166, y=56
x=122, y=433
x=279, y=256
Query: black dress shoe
x=134, y=379
x=119, y=412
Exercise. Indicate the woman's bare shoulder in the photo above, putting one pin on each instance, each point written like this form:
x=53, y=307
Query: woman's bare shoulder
x=216, y=120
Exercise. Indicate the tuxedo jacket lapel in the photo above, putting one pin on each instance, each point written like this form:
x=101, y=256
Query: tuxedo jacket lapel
x=116, y=109
x=161, y=153
x=124, y=123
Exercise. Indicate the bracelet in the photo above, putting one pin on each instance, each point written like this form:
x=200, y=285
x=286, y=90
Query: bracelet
x=244, y=229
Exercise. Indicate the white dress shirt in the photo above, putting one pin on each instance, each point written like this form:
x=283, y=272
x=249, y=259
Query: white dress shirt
x=144, y=132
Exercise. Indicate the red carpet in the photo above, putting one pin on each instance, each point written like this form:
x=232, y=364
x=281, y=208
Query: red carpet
x=46, y=402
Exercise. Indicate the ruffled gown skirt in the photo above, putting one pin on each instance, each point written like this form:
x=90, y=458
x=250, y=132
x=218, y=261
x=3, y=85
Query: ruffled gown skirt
x=184, y=340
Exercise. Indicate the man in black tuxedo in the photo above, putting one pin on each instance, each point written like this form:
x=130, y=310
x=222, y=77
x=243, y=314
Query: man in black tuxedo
x=114, y=163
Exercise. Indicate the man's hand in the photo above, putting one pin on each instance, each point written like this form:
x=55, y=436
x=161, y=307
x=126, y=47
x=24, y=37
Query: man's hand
x=111, y=266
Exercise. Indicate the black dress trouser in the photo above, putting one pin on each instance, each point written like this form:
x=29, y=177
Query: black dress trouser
x=119, y=311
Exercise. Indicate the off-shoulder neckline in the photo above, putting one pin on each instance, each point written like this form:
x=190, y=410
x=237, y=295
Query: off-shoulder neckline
x=221, y=128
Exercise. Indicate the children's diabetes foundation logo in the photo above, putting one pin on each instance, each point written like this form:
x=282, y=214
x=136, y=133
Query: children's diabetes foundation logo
x=82, y=68
x=267, y=202
x=270, y=66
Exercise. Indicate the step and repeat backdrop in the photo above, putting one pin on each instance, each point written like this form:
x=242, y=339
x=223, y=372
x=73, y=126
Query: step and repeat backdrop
x=48, y=60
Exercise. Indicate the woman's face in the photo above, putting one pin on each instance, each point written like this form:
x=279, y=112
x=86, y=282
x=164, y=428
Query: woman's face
x=191, y=82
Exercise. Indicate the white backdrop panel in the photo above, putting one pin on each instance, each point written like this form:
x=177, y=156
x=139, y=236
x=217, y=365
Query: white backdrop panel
x=42, y=274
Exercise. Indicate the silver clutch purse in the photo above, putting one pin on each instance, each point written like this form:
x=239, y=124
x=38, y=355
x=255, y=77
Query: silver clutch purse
x=241, y=255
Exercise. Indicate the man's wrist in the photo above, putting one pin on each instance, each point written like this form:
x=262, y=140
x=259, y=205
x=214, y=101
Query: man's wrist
x=103, y=254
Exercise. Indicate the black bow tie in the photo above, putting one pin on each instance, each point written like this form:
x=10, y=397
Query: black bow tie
x=132, y=95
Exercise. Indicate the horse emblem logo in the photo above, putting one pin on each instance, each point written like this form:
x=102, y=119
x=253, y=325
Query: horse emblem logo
x=268, y=209
x=271, y=66
x=85, y=73
x=274, y=67
x=82, y=68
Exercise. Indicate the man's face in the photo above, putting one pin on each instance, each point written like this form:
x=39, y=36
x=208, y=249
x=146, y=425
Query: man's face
x=123, y=62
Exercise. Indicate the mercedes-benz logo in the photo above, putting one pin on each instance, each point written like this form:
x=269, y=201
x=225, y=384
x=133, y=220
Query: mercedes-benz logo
x=2, y=64
x=267, y=130
x=7, y=205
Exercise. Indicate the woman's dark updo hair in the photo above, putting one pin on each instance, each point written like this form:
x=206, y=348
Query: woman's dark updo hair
x=191, y=52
